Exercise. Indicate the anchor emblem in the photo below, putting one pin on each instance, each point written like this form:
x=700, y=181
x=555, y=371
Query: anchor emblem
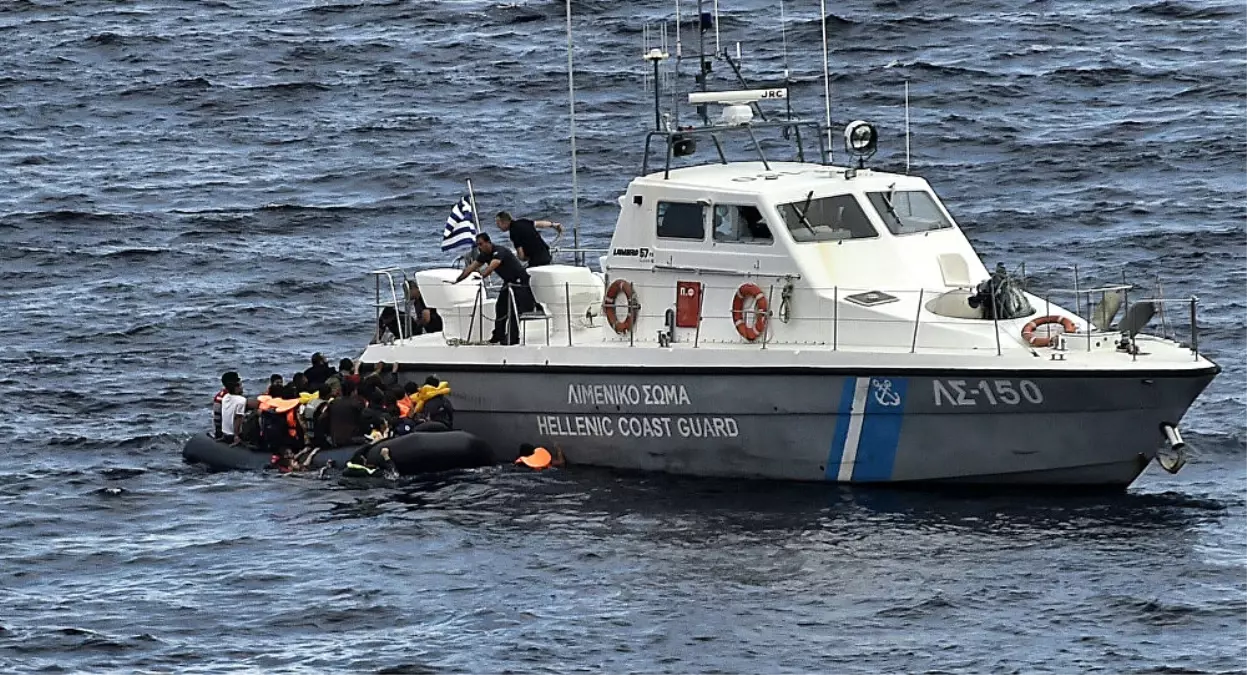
x=883, y=393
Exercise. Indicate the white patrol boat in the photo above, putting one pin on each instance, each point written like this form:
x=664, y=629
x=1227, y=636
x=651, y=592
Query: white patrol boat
x=803, y=321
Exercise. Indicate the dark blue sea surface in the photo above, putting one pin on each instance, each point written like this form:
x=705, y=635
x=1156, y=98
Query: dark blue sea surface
x=191, y=187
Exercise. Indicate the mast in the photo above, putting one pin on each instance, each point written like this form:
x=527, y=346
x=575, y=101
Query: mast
x=702, y=66
x=577, y=255
x=826, y=79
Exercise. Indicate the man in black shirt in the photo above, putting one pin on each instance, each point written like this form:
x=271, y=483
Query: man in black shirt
x=498, y=259
x=319, y=372
x=529, y=245
x=427, y=319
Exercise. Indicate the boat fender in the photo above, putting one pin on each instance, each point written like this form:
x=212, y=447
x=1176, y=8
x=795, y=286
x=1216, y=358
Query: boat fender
x=621, y=287
x=1028, y=332
x=750, y=331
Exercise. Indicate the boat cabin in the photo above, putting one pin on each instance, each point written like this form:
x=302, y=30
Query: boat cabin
x=759, y=252
x=849, y=241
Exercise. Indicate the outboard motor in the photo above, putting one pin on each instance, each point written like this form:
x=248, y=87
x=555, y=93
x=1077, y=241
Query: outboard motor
x=999, y=297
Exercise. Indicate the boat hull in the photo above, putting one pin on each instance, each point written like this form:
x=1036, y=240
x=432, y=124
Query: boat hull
x=1092, y=429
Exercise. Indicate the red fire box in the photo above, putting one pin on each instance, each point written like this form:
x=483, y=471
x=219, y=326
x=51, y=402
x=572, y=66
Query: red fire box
x=687, y=304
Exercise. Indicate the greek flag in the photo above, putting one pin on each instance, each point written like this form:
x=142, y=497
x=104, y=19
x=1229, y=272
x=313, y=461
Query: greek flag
x=461, y=228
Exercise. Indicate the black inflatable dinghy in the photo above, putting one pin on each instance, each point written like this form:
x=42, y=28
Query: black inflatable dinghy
x=415, y=453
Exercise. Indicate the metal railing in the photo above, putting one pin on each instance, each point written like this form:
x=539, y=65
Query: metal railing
x=838, y=313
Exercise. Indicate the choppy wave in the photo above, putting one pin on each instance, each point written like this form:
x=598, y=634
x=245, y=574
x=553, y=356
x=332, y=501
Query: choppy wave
x=202, y=188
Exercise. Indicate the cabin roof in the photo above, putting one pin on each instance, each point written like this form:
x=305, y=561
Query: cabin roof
x=783, y=179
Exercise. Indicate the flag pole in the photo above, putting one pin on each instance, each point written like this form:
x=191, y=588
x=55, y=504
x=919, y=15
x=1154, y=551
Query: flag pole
x=472, y=199
x=476, y=217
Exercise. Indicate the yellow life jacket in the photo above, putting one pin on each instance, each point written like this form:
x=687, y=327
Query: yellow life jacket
x=429, y=392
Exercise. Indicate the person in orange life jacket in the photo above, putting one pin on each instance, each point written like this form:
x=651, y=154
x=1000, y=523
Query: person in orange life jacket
x=407, y=403
x=498, y=259
x=280, y=419
x=227, y=379
x=538, y=459
x=233, y=408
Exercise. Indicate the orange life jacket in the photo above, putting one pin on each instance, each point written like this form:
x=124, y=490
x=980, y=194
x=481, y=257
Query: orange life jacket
x=280, y=405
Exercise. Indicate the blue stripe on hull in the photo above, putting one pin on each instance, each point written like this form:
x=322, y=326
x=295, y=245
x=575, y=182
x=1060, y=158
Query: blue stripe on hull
x=843, y=416
x=881, y=430
x=863, y=447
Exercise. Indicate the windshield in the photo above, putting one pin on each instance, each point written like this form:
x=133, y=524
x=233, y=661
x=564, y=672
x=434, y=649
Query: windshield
x=909, y=211
x=826, y=219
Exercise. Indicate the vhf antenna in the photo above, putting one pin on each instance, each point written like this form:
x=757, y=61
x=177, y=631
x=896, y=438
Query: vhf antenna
x=655, y=51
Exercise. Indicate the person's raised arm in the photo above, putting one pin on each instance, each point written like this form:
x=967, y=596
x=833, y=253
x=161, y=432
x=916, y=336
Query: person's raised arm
x=558, y=227
x=467, y=271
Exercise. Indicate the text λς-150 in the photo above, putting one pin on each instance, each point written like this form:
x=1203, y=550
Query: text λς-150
x=986, y=392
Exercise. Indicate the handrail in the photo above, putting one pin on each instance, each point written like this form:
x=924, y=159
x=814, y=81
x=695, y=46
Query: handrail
x=904, y=323
x=726, y=273
x=1105, y=289
x=713, y=132
x=378, y=305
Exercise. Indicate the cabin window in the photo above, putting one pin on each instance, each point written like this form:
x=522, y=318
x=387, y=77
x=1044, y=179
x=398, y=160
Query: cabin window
x=740, y=224
x=827, y=219
x=909, y=211
x=681, y=221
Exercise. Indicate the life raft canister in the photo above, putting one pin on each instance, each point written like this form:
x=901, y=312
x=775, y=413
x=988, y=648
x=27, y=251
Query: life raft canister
x=624, y=287
x=1028, y=332
x=750, y=331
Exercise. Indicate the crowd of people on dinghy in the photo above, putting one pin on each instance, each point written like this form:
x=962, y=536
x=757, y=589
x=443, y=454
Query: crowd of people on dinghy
x=321, y=408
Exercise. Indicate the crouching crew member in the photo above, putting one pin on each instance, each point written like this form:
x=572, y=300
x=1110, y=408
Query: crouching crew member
x=498, y=259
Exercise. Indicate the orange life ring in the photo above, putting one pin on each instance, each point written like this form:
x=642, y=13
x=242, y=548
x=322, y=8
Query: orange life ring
x=608, y=307
x=750, y=331
x=1028, y=333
